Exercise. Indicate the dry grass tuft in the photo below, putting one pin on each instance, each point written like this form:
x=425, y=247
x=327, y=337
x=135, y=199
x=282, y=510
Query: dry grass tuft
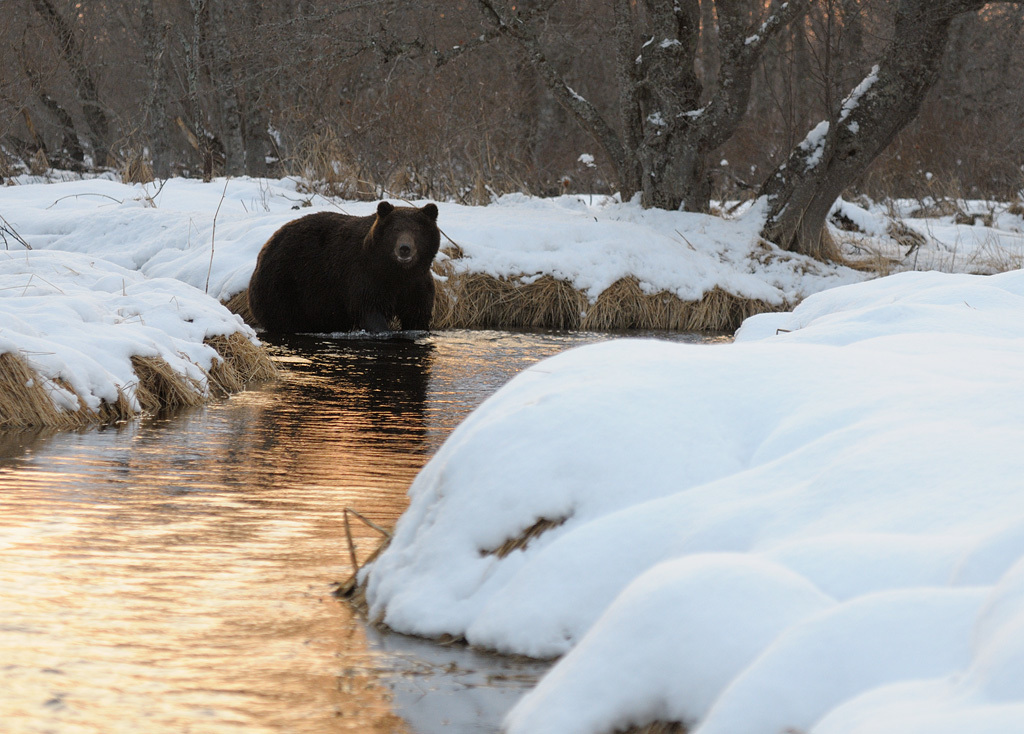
x=657, y=727
x=475, y=301
x=241, y=362
x=26, y=397
x=26, y=400
x=38, y=164
x=160, y=387
x=136, y=169
x=326, y=165
x=119, y=410
x=524, y=538
x=904, y=236
x=239, y=304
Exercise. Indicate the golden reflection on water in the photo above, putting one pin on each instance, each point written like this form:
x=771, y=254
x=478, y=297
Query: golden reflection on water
x=174, y=574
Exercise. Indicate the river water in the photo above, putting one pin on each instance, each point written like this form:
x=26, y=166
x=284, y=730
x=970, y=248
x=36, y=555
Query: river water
x=174, y=574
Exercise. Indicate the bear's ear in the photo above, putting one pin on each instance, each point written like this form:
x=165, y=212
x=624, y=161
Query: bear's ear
x=431, y=211
x=383, y=209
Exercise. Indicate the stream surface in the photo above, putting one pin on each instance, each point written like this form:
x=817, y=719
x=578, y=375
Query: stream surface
x=175, y=573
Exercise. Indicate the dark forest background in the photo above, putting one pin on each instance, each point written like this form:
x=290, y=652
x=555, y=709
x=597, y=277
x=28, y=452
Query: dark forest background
x=425, y=99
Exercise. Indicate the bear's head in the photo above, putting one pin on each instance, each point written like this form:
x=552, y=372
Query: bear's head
x=408, y=235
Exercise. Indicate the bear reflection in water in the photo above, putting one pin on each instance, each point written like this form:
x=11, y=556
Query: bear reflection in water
x=330, y=272
x=377, y=388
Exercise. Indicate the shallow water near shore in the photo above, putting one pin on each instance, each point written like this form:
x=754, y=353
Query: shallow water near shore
x=175, y=573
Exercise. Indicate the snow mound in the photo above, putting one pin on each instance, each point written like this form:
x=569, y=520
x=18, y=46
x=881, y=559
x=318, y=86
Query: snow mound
x=79, y=320
x=817, y=525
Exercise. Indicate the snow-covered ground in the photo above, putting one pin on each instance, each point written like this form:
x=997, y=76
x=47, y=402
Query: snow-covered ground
x=168, y=230
x=817, y=528
x=948, y=235
x=182, y=245
x=79, y=320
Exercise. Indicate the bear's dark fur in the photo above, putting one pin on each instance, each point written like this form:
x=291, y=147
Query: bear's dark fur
x=333, y=272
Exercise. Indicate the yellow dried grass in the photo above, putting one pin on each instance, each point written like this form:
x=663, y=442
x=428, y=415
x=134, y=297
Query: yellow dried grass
x=136, y=169
x=243, y=363
x=25, y=396
x=657, y=727
x=24, y=399
x=524, y=538
x=481, y=301
x=476, y=300
x=239, y=304
x=160, y=387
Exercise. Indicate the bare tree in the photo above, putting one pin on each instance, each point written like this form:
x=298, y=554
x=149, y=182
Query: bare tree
x=836, y=152
x=684, y=99
x=668, y=122
x=225, y=88
x=155, y=40
x=70, y=49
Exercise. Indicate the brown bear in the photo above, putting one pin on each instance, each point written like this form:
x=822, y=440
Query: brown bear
x=331, y=272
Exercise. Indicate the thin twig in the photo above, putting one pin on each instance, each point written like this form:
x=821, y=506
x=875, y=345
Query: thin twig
x=213, y=232
x=348, y=533
x=368, y=521
x=8, y=228
x=152, y=198
x=351, y=543
x=86, y=193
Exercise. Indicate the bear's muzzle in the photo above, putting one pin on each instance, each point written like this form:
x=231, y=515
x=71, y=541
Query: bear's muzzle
x=405, y=248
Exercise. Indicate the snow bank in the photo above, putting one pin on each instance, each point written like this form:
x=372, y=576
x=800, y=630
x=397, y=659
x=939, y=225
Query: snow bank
x=161, y=230
x=591, y=242
x=80, y=320
x=166, y=230
x=818, y=527
x=953, y=236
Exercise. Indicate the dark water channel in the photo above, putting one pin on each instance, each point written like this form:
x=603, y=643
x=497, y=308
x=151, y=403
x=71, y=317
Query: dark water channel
x=174, y=574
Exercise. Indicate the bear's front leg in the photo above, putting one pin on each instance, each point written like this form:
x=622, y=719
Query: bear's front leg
x=373, y=322
x=417, y=322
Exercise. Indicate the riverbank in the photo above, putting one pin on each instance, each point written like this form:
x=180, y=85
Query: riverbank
x=85, y=341
x=816, y=528
x=570, y=262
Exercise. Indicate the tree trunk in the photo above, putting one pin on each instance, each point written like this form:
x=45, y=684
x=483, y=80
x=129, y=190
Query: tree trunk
x=85, y=86
x=227, y=91
x=154, y=42
x=254, y=128
x=71, y=155
x=671, y=153
x=199, y=135
x=801, y=191
x=665, y=133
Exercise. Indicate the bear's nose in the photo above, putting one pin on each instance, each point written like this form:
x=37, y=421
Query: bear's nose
x=404, y=252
